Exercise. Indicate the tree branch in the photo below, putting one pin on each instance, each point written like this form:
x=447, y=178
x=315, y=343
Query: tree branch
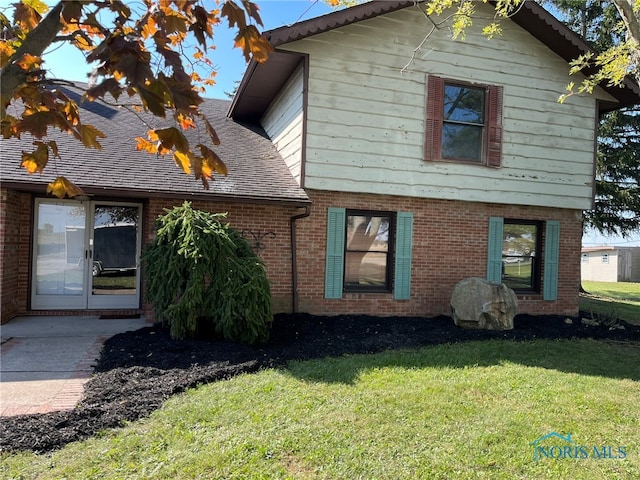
x=625, y=7
x=35, y=43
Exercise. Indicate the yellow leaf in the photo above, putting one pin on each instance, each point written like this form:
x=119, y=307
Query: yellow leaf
x=37, y=5
x=62, y=186
x=35, y=161
x=213, y=161
x=183, y=162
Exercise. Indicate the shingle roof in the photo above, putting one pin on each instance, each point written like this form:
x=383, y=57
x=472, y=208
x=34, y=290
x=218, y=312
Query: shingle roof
x=257, y=172
x=261, y=82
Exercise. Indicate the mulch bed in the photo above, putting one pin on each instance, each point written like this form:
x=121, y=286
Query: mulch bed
x=137, y=371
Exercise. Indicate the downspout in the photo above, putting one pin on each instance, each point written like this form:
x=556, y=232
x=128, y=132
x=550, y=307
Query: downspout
x=294, y=256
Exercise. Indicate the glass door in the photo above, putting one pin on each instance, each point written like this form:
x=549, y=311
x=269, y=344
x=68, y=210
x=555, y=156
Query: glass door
x=114, y=246
x=59, y=262
x=85, y=255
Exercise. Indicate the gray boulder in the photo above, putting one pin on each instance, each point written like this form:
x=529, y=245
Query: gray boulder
x=477, y=303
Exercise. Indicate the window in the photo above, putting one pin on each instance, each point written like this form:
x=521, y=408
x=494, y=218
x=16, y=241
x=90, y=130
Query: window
x=516, y=257
x=605, y=258
x=520, y=248
x=367, y=259
x=464, y=122
x=585, y=258
x=368, y=252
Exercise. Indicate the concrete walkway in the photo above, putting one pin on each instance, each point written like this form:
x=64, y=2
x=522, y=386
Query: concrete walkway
x=45, y=361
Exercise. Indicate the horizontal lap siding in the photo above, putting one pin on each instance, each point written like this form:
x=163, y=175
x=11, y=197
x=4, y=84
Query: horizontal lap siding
x=365, y=125
x=449, y=244
x=283, y=122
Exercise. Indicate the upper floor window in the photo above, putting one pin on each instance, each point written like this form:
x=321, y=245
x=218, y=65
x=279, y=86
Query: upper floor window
x=464, y=122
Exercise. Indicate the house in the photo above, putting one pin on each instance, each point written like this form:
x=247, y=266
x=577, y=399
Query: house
x=610, y=264
x=370, y=179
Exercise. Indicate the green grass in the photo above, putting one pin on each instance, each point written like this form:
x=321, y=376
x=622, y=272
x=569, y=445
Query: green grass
x=464, y=411
x=620, y=299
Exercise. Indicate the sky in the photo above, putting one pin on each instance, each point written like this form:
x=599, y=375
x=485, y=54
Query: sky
x=69, y=64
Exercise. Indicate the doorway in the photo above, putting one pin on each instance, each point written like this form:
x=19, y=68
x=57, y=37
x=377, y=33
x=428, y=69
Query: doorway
x=86, y=255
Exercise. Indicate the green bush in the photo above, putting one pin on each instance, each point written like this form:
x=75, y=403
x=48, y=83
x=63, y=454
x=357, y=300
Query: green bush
x=201, y=275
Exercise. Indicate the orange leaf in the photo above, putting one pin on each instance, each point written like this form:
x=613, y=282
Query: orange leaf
x=213, y=161
x=29, y=62
x=89, y=136
x=185, y=122
x=183, y=162
x=35, y=161
x=62, y=186
x=6, y=51
x=253, y=44
x=149, y=29
x=146, y=145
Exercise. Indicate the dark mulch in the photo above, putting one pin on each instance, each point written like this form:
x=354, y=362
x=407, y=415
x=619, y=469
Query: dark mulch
x=138, y=371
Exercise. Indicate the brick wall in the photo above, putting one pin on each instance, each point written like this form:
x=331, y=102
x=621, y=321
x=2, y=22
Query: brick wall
x=15, y=238
x=449, y=244
x=269, y=223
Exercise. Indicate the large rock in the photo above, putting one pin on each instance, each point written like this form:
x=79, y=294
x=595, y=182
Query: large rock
x=477, y=303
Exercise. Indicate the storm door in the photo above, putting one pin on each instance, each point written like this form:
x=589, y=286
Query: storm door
x=85, y=255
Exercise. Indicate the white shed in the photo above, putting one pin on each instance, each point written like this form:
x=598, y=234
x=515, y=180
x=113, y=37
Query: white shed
x=611, y=264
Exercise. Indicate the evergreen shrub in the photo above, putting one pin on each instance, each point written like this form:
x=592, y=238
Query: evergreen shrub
x=203, y=276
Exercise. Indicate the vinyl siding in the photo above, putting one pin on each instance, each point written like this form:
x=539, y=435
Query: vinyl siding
x=365, y=119
x=283, y=122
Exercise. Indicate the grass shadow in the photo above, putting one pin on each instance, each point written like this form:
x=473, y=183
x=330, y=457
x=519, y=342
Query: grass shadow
x=608, y=359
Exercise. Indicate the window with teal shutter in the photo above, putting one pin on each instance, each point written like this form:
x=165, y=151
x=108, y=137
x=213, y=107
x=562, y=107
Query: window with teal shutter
x=494, y=257
x=404, y=245
x=334, y=270
x=551, y=260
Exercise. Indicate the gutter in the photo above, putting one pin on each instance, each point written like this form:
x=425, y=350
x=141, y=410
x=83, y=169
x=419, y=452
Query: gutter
x=294, y=260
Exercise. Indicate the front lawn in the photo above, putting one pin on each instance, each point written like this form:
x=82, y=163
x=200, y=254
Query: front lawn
x=619, y=299
x=454, y=411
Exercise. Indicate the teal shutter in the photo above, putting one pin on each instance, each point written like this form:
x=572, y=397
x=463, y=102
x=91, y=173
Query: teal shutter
x=404, y=246
x=551, y=256
x=334, y=270
x=494, y=256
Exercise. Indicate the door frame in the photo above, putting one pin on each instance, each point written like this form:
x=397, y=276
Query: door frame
x=87, y=300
